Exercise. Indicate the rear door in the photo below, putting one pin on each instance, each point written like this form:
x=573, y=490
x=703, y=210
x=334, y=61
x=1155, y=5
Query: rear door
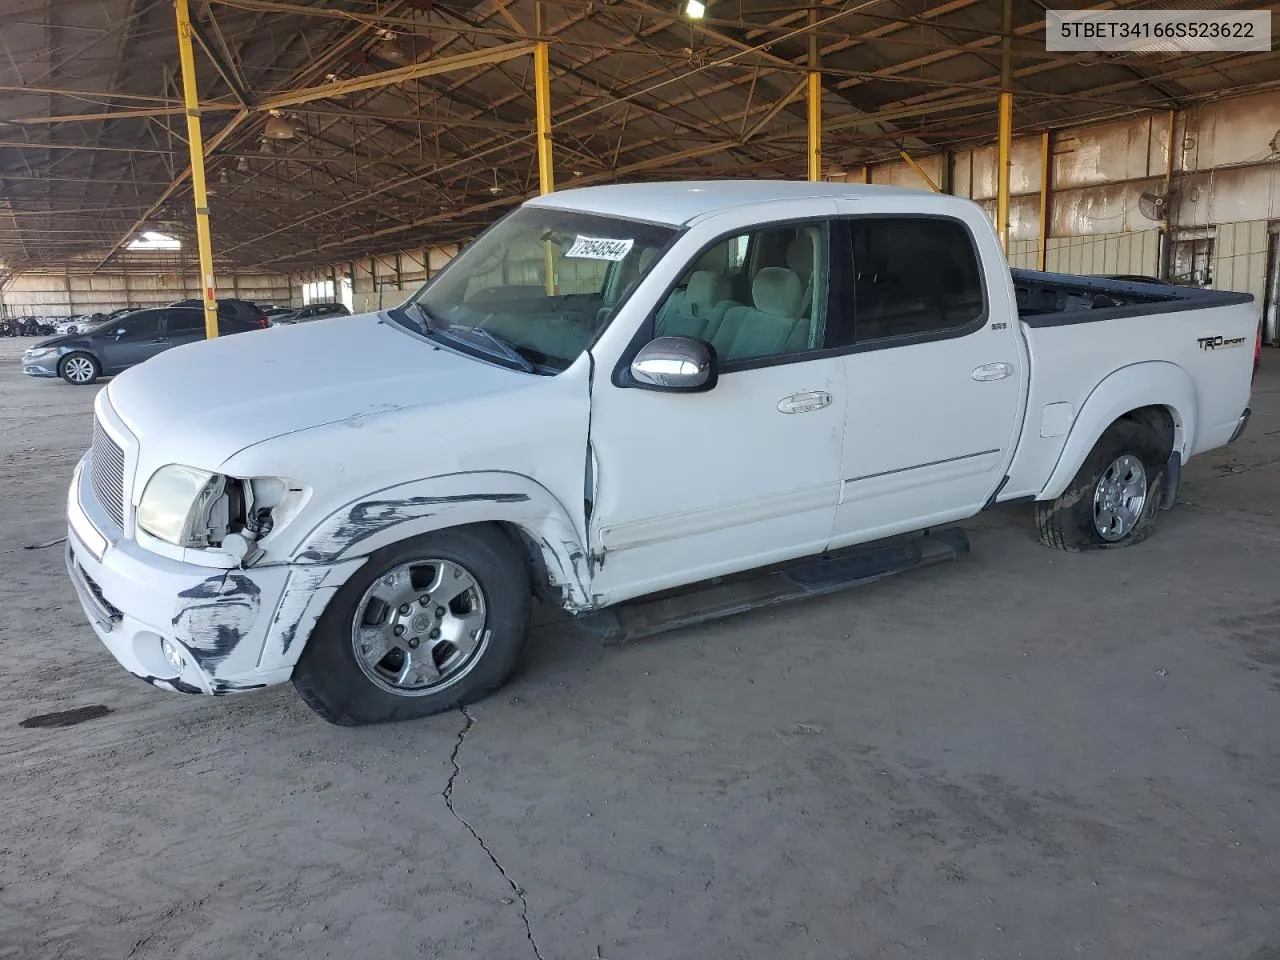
x=183, y=326
x=935, y=374
x=132, y=339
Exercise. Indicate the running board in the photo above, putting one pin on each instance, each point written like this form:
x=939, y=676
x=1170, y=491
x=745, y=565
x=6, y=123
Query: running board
x=809, y=577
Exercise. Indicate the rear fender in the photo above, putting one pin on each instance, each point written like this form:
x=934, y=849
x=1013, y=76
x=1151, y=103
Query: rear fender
x=393, y=514
x=1151, y=384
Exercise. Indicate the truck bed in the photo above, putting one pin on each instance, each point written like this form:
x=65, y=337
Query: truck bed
x=1091, y=340
x=1055, y=299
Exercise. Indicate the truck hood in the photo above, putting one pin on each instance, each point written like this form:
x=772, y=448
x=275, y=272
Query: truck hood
x=202, y=403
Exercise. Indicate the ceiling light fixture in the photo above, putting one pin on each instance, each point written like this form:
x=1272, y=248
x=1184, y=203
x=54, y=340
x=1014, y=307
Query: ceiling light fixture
x=695, y=9
x=391, y=48
x=279, y=127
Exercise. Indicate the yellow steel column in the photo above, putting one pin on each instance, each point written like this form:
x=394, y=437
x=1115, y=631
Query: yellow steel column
x=1042, y=244
x=815, y=126
x=1164, y=269
x=1002, y=183
x=542, y=107
x=1006, y=130
x=204, y=243
x=815, y=104
x=542, y=98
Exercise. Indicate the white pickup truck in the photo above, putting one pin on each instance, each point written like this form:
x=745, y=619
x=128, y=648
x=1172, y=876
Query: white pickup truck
x=617, y=391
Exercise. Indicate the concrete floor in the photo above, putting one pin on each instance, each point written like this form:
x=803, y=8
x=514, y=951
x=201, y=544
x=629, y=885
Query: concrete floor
x=1024, y=754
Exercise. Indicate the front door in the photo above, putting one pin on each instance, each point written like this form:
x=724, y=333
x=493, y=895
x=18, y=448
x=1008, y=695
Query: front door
x=132, y=339
x=935, y=373
x=692, y=486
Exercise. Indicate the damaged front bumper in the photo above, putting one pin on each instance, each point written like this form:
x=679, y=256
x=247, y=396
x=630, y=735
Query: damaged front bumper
x=185, y=627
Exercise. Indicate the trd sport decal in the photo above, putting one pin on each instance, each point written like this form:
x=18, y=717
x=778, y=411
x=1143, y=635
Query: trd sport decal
x=1218, y=343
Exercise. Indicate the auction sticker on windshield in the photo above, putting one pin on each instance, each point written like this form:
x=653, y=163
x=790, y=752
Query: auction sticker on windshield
x=599, y=248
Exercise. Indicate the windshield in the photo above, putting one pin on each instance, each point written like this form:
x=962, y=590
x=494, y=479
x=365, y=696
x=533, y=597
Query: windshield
x=533, y=291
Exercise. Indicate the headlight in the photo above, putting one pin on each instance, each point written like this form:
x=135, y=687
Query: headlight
x=190, y=507
x=35, y=353
x=176, y=504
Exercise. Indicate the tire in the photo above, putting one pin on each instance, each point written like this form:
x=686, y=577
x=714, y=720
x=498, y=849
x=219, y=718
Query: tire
x=79, y=369
x=1083, y=518
x=348, y=688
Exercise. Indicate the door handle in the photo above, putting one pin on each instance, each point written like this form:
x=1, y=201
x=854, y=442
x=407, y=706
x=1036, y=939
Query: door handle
x=805, y=402
x=992, y=371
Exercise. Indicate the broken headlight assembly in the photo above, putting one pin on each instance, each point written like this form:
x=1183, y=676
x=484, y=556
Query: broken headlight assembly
x=197, y=509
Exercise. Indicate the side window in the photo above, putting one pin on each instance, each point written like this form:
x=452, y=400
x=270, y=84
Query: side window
x=140, y=326
x=184, y=322
x=755, y=296
x=912, y=276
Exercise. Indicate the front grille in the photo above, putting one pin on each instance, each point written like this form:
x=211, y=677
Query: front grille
x=107, y=474
x=114, y=615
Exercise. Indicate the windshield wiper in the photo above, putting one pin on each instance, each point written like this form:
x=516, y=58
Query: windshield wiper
x=504, y=348
x=424, y=325
x=429, y=326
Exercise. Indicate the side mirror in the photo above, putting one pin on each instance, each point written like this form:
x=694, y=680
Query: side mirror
x=675, y=364
x=121, y=331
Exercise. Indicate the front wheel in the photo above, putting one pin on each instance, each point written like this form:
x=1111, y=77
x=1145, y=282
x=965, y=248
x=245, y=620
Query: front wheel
x=1114, y=498
x=79, y=369
x=427, y=625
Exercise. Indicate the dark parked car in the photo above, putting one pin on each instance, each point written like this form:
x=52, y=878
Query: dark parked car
x=115, y=346
x=314, y=311
x=241, y=310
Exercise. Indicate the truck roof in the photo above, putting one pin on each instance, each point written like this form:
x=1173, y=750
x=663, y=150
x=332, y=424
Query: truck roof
x=678, y=203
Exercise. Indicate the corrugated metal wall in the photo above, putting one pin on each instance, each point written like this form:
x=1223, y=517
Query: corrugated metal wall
x=1226, y=187
x=65, y=293
x=384, y=280
x=1240, y=258
x=1107, y=253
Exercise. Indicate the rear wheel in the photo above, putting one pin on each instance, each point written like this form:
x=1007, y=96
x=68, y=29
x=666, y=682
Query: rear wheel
x=425, y=626
x=1114, y=497
x=79, y=369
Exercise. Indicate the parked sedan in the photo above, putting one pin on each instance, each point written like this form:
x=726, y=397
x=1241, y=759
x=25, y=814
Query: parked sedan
x=117, y=345
x=314, y=311
x=72, y=324
x=228, y=307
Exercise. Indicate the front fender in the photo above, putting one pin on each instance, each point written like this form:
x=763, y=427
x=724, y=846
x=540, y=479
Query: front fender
x=1150, y=384
x=383, y=517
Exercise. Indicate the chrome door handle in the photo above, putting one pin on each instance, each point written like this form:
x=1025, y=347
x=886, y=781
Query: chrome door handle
x=992, y=371
x=805, y=402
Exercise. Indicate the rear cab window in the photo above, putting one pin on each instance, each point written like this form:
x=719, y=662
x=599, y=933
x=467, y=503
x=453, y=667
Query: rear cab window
x=905, y=280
